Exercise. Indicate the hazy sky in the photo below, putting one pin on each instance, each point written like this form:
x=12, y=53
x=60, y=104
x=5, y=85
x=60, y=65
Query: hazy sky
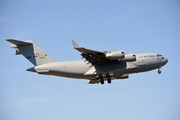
x=131, y=25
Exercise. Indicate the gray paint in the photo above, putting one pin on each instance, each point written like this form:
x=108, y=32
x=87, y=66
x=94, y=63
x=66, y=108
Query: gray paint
x=117, y=69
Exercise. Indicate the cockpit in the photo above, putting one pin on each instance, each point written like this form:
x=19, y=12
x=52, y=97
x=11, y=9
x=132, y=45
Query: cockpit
x=158, y=55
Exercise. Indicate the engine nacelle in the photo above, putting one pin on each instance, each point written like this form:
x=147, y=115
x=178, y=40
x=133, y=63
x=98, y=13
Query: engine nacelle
x=113, y=55
x=128, y=58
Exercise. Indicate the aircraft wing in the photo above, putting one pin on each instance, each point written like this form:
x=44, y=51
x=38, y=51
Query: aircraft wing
x=92, y=56
x=95, y=57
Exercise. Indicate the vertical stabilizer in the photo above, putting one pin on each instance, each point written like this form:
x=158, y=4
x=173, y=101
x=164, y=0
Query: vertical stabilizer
x=31, y=51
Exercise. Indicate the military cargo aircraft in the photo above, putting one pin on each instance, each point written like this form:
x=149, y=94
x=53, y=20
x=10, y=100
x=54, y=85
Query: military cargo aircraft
x=98, y=66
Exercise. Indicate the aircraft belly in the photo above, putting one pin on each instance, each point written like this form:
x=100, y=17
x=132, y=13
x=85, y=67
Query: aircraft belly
x=69, y=75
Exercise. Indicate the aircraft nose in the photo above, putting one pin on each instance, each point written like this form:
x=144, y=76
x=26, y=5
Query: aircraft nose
x=165, y=61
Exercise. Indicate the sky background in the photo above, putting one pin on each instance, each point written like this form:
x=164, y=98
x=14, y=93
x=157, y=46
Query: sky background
x=135, y=26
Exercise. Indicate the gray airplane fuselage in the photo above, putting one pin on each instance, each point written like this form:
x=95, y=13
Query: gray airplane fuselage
x=83, y=70
x=98, y=66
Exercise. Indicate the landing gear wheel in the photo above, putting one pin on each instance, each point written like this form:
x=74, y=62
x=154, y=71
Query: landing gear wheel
x=159, y=71
x=109, y=81
x=107, y=75
x=102, y=81
x=100, y=76
x=109, y=78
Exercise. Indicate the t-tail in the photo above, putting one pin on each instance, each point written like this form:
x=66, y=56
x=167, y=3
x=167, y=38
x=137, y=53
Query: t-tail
x=31, y=51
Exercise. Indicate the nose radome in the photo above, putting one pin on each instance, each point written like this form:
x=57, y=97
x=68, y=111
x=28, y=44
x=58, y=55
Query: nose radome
x=166, y=60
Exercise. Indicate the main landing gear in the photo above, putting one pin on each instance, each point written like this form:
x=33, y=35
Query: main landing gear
x=102, y=79
x=109, y=78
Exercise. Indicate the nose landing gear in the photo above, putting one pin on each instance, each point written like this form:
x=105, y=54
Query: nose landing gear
x=159, y=71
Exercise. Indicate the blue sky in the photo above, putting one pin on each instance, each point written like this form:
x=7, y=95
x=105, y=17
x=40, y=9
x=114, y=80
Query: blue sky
x=133, y=26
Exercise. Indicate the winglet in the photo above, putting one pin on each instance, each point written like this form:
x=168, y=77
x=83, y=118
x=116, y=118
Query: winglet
x=74, y=44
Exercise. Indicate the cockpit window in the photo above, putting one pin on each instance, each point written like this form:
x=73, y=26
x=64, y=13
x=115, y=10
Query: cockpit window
x=158, y=55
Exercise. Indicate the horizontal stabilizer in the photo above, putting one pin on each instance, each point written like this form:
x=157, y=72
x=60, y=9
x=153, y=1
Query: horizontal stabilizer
x=42, y=71
x=33, y=69
x=18, y=43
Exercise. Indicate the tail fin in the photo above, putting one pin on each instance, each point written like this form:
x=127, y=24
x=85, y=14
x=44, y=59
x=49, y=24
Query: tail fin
x=31, y=51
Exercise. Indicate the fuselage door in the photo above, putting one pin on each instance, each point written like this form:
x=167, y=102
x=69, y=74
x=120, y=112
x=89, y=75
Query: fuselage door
x=141, y=62
x=158, y=59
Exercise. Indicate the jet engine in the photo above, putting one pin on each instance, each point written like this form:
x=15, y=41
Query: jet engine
x=113, y=55
x=128, y=58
